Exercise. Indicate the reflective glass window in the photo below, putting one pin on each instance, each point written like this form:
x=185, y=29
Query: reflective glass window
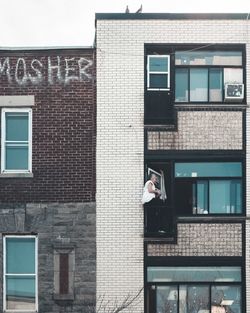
x=16, y=140
x=215, y=85
x=208, y=169
x=225, y=58
x=194, y=273
x=181, y=85
x=20, y=274
x=198, y=84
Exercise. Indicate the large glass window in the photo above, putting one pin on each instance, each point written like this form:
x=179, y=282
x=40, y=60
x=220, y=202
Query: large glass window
x=208, y=58
x=194, y=273
x=198, y=84
x=208, y=188
x=215, y=85
x=20, y=273
x=200, y=76
x=16, y=140
x=181, y=85
x=195, y=289
x=158, y=72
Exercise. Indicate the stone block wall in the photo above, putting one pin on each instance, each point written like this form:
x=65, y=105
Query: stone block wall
x=57, y=223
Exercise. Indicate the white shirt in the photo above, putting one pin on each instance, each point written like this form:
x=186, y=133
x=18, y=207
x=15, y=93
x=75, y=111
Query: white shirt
x=148, y=196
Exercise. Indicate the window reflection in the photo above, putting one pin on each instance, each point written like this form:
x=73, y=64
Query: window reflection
x=167, y=299
x=208, y=58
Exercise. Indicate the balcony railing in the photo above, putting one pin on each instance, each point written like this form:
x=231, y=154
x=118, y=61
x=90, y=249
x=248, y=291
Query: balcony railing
x=159, y=221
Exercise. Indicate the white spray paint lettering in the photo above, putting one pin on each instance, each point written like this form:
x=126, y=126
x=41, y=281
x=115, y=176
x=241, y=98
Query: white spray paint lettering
x=54, y=67
x=69, y=69
x=39, y=77
x=84, y=64
x=59, y=70
x=22, y=80
x=6, y=63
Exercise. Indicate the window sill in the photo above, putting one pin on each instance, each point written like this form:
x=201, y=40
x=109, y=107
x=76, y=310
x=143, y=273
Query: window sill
x=16, y=175
x=212, y=218
x=210, y=105
x=65, y=297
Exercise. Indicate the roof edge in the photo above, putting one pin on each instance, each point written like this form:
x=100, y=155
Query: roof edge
x=46, y=48
x=171, y=16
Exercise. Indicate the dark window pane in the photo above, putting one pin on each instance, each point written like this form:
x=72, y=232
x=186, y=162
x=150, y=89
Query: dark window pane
x=202, y=197
x=158, y=81
x=166, y=299
x=16, y=157
x=219, y=196
x=20, y=255
x=215, y=85
x=197, y=298
x=208, y=169
x=227, y=297
x=199, y=84
x=64, y=273
x=20, y=293
x=185, y=203
x=17, y=126
x=158, y=64
x=181, y=85
x=236, y=196
x=224, y=196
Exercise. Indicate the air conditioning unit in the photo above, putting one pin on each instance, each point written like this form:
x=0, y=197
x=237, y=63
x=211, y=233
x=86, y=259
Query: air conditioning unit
x=234, y=92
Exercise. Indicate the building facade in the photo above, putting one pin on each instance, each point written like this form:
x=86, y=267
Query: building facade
x=172, y=100
x=47, y=180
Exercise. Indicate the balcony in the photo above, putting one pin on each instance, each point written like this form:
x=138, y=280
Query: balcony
x=159, y=222
x=159, y=108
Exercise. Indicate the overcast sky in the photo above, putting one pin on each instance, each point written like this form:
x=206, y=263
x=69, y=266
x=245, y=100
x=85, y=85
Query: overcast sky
x=43, y=23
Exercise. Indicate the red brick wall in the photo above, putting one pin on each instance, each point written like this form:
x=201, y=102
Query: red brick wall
x=63, y=124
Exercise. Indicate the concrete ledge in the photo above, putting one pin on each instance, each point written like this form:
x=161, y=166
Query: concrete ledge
x=17, y=101
x=66, y=297
x=16, y=175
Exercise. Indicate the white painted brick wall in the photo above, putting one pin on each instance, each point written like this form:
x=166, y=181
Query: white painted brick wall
x=120, y=109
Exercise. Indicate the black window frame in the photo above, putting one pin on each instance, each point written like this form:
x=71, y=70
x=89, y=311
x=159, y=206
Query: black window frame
x=193, y=180
x=210, y=48
x=171, y=160
x=208, y=67
x=175, y=262
x=165, y=49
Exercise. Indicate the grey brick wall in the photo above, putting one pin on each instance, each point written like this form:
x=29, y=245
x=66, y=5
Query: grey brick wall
x=202, y=240
x=199, y=130
x=71, y=223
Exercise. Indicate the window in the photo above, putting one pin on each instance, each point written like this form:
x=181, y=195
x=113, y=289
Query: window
x=158, y=77
x=194, y=289
x=16, y=156
x=200, y=76
x=208, y=188
x=64, y=271
x=20, y=273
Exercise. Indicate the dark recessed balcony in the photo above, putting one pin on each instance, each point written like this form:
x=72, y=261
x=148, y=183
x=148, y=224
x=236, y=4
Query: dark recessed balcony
x=159, y=222
x=158, y=108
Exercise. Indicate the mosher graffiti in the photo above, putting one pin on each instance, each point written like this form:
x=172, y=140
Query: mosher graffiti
x=56, y=70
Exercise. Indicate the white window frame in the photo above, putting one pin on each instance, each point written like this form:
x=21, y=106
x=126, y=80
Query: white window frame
x=5, y=274
x=3, y=140
x=152, y=73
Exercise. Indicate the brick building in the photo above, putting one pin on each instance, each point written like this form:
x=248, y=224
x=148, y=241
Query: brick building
x=47, y=180
x=172, y=95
